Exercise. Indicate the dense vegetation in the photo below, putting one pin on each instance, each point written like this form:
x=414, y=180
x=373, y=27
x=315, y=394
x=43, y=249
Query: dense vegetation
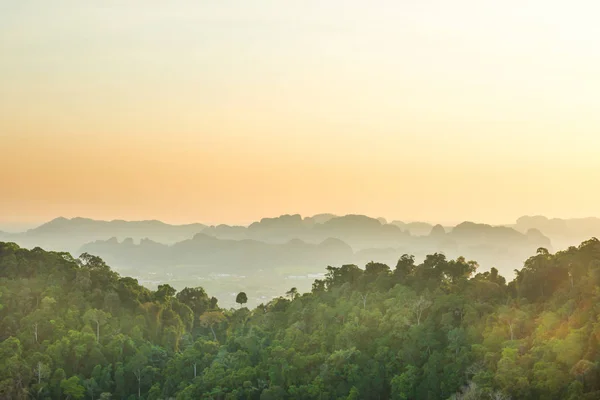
x=73, y=328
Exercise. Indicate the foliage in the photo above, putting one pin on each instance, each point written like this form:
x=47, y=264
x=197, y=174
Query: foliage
x=74, y=329
x=241, y=298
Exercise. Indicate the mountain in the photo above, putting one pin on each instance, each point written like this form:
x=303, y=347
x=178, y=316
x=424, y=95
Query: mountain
x=437, y=231
x=221, y=255
x=279, y=229
x=264, y=243
x=361, y=232
x=319, y=219
x=90, y=227
x=70, y=234
x=358, y=231
x=414, y=228
x=562, y=232
x=478, y=234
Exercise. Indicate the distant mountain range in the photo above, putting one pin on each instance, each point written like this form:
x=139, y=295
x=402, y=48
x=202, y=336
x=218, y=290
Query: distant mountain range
x=222, y=255
x=359, y=231
x=70, y=234
x=562, y=232
x=291, y=239
x=494, y=246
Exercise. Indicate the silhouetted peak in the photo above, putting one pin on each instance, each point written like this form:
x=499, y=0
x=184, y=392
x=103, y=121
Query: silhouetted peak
x=353, y=221
x=53, y=225
x=437, y=231
x=283, y=221
x=56, y=221
x=536, y=236
x=79, y=220
x=319, y=219
x=532, y=219
x=414, y=228
x=468, y=225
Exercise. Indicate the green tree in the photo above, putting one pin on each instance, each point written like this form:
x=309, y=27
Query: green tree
x=136, y=366
x=92, y=387
x=196, y=299
x=72, y=389
x=98, y=318
x=292, y=293
x=241, y=298
x=210, y=319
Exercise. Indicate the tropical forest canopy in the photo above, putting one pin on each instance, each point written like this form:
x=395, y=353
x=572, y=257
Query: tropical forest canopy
x=75, y=329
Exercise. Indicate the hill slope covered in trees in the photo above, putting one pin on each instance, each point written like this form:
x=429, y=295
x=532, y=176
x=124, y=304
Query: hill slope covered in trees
x=72, y=329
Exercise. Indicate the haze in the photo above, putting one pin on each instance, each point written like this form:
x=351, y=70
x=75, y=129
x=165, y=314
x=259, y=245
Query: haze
x=232, y=111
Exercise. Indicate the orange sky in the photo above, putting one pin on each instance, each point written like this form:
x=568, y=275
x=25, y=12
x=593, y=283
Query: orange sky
x=227, y=113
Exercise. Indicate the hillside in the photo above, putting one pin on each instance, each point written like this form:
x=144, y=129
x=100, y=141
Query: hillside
x=434, y=330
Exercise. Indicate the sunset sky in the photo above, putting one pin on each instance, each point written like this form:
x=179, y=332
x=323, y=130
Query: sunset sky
x=229, y=111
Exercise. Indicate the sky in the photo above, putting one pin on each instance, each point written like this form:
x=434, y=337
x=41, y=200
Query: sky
x=229, y=111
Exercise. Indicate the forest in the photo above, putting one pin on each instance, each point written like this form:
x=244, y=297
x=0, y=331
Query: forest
x=72, y=328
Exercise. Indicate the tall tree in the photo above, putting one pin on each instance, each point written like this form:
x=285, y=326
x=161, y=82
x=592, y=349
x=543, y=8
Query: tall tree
x=210, y=319
x=292, y=293
x=98, y=318
x=241, y=299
